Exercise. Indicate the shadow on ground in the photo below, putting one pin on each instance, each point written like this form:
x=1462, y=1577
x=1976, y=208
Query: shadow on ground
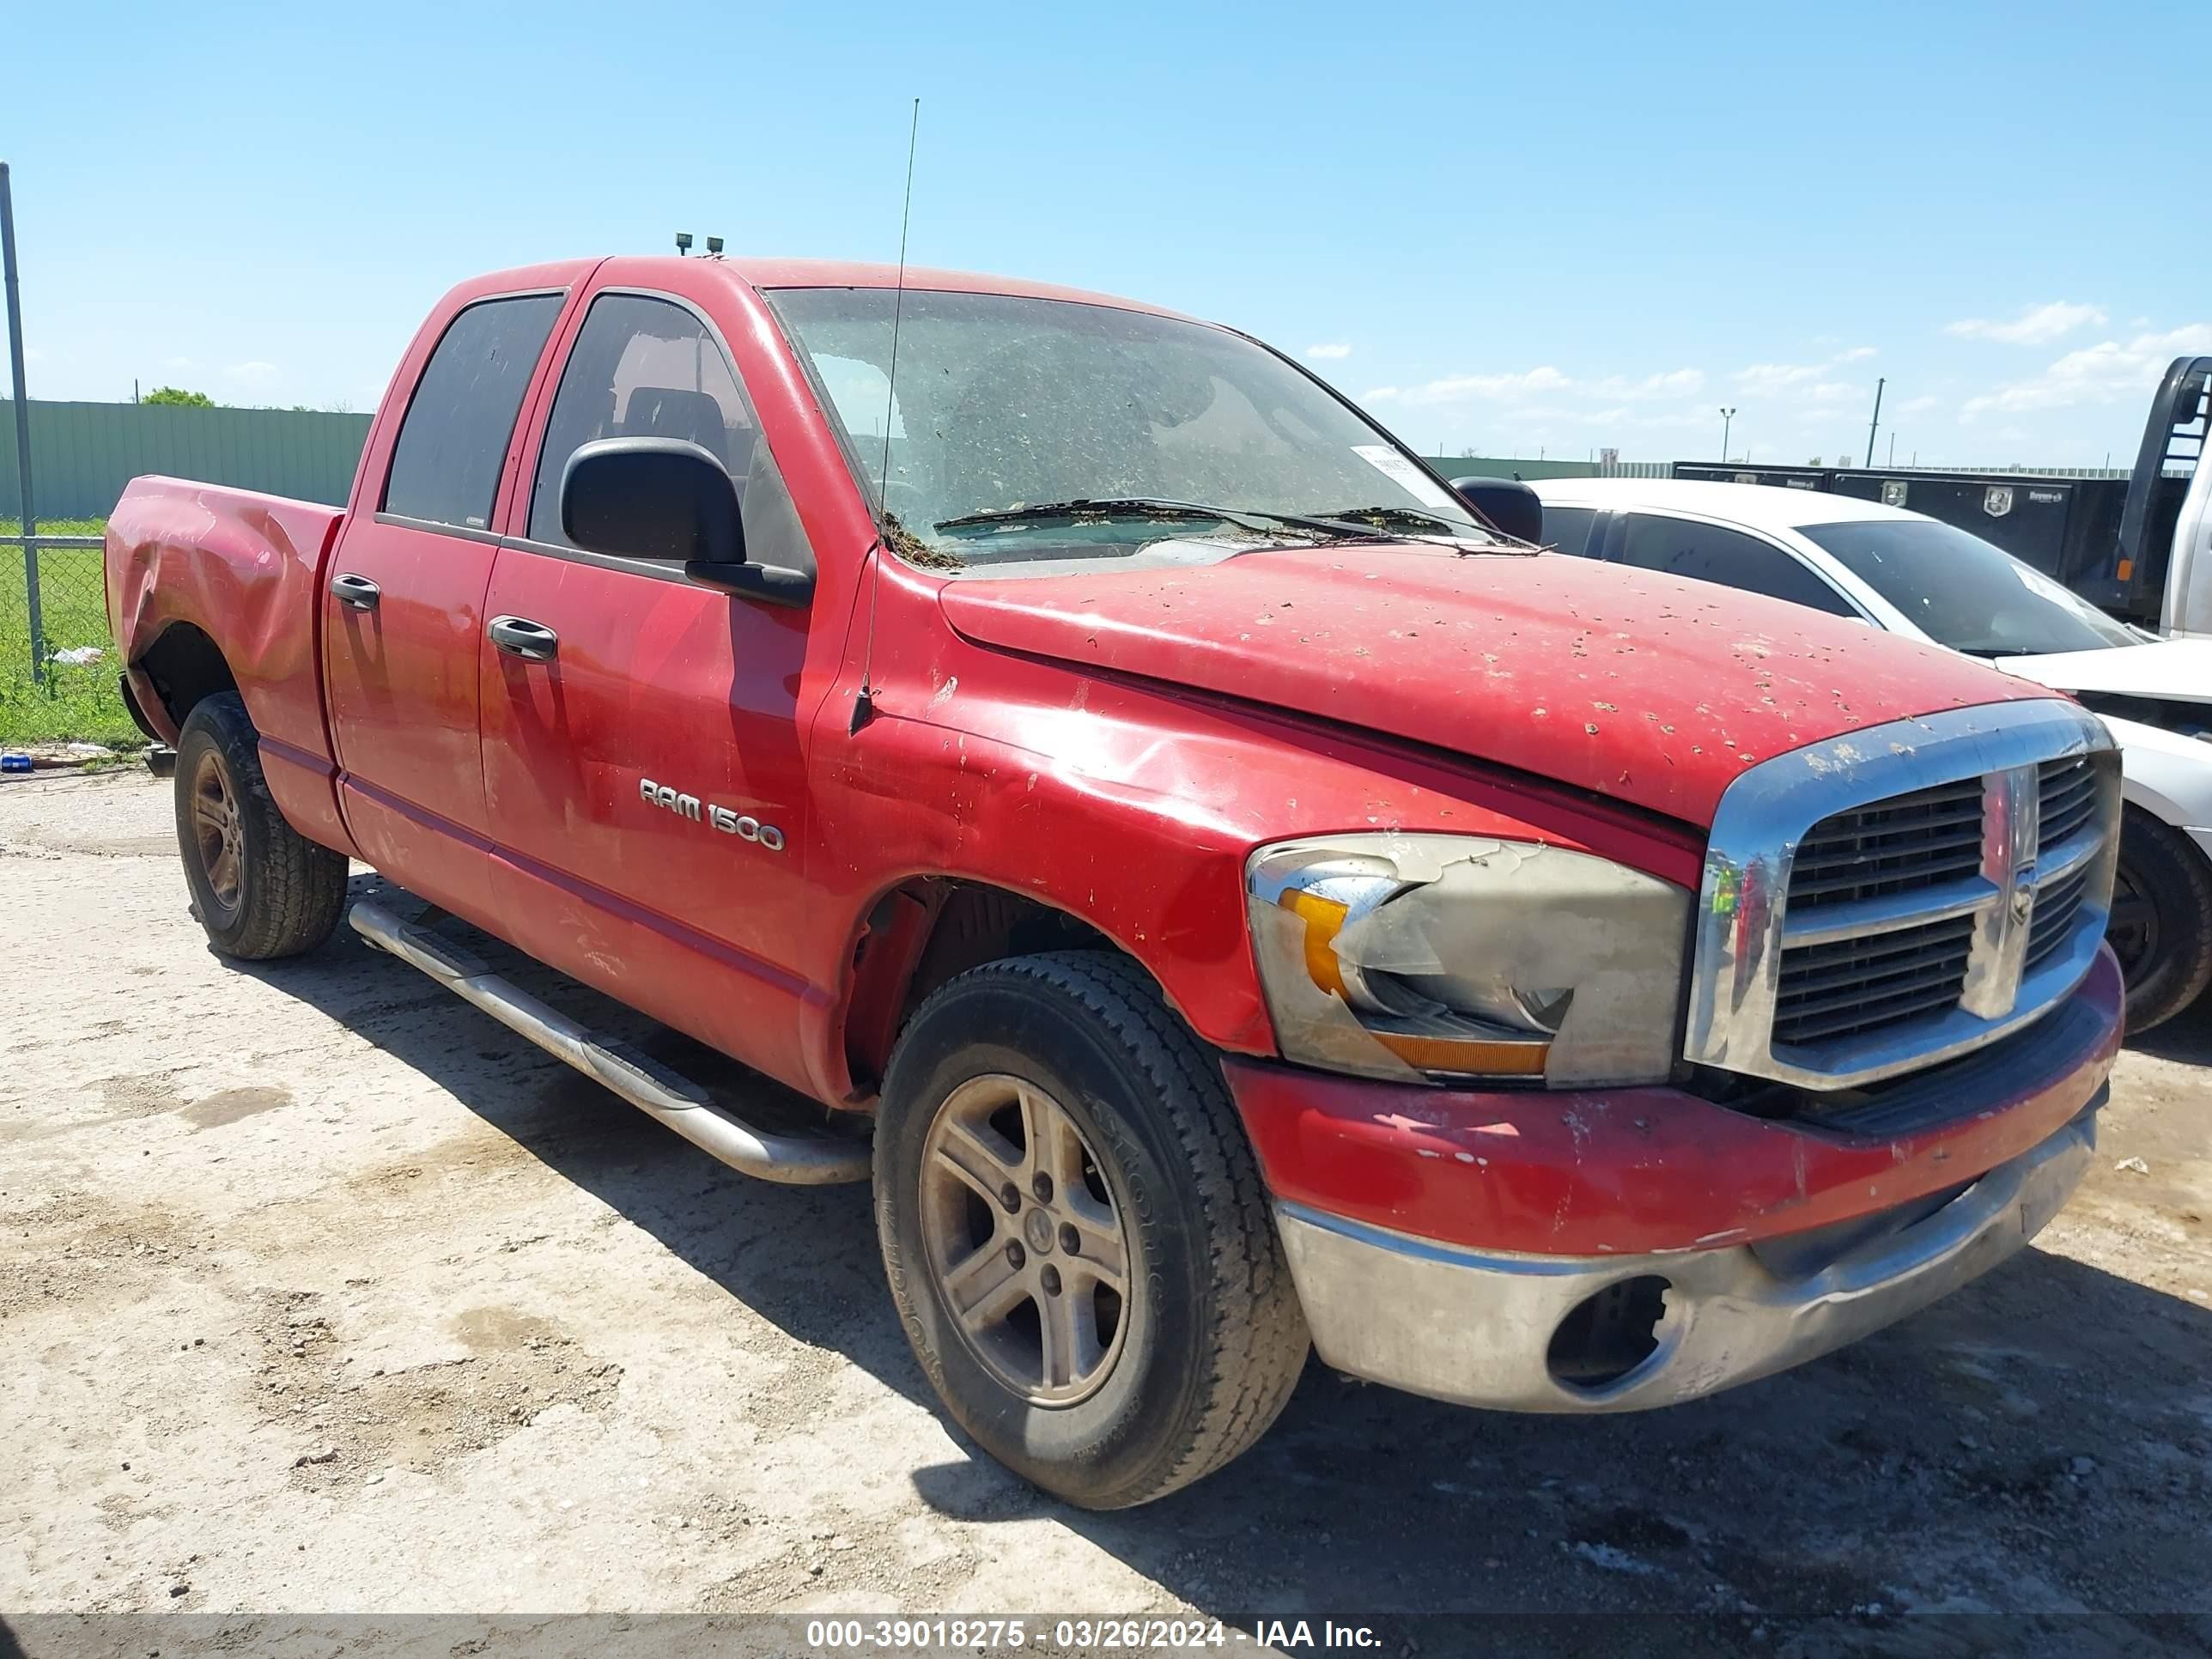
x=2041, y=1441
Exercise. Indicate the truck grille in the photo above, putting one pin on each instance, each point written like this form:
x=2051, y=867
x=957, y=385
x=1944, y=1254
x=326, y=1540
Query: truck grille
x=1881, y=902
x=2056, y=907
x=2067, y=800
x=1854, y=985
x=1893, y=846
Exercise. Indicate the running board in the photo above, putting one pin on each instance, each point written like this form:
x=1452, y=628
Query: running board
x=678, y=1101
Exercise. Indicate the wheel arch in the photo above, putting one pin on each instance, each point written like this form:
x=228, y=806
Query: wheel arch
x=925, y=930
x=182, y=668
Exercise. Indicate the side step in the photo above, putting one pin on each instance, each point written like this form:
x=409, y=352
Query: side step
x=682, y=1104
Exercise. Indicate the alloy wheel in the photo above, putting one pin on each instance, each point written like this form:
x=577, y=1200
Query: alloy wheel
x=1025, y=1240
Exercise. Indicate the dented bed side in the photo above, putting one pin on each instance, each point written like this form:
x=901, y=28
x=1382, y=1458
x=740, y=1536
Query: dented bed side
x=244, y=569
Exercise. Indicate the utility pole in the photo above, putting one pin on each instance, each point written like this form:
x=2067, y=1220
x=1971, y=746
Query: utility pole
x=22, y=427
x=1893, y=447
x=1727, y=416
x=1876, y=421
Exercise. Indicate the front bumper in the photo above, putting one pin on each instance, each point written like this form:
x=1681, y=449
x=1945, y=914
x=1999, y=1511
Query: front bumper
x=1479, y=1329
x=1615, y=1251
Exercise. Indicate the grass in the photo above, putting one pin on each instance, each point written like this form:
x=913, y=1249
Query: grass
x=73, y=702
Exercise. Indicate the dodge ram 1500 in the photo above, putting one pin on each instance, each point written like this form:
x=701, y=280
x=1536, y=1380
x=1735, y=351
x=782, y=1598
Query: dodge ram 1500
x=1226, y=895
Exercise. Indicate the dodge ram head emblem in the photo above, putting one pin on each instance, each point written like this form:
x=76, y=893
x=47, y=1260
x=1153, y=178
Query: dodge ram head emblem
x=728, y=823
x=1997, y=502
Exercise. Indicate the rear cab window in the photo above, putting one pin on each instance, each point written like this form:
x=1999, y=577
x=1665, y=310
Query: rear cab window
x=446, y=466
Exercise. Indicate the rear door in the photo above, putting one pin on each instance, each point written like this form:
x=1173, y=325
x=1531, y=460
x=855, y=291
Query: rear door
x=403, y=610
x=642, y=757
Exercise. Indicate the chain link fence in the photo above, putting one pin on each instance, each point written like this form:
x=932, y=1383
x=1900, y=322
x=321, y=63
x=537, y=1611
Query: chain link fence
x=57, y=667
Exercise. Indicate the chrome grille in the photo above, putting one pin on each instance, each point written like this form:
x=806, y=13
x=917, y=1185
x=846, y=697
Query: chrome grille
x=2056, y=909
x=1853, y=985
x=2066, y=794
x=1878, y=903
x=1918, y=840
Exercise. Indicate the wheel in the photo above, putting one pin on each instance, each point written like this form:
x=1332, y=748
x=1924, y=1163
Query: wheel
x=259, y=887
x=1076, y=1234
x=2161, y=922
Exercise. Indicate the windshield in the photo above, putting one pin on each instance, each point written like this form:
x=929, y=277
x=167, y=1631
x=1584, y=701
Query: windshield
x=1966, y=593
x=1007, y=407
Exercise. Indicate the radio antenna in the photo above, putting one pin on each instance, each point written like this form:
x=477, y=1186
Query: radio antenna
x=898, y=294
x=864, y=703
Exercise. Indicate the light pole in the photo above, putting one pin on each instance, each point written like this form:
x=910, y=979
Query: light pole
x=1727, y=415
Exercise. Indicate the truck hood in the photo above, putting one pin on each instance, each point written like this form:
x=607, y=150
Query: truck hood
x=2170, y=670
x=1650, y=689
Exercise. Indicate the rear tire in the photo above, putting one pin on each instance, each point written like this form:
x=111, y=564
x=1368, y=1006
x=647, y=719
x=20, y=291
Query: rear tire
x=259, y=888
x=2161, y=922
x=1190, y=1367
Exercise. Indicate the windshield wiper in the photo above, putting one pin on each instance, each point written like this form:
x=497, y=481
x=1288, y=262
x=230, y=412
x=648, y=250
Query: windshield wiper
x=1155, y=506
x=1396, y=515
x=1383, y=515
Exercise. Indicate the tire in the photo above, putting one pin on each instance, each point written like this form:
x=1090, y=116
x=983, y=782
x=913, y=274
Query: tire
x=277, y=893
x=2161, y=923
x=1210, y=1340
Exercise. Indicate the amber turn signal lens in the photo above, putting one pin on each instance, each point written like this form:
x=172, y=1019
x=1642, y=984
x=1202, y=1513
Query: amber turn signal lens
x=1475, y=1055
x=1324, y=918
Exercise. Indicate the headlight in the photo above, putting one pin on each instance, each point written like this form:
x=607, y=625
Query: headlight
x=1414, y=956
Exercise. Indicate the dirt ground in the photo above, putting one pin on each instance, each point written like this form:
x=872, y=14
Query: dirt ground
x=321, y=1292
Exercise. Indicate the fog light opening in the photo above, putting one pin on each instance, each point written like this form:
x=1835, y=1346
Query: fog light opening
x=1607, y=1335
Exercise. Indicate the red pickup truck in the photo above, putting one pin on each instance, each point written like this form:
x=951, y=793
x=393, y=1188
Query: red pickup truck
x=1226, y=892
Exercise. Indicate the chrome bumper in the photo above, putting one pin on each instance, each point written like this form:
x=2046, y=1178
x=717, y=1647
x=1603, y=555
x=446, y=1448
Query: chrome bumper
x=1476, y=1326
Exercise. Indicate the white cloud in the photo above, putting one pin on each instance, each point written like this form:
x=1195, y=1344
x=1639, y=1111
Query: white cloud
x=1543, y=380
x=1919, y=405
x=1678, y=383
x=1775, y=376
x=252, y=373
x=1785, y=377
x=1329, y=353
x=176, y=363
x=2110, y=372
x=2035, y=325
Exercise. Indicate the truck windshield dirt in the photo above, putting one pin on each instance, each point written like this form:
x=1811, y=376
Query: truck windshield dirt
x=1967, y=593
x=1025, y=429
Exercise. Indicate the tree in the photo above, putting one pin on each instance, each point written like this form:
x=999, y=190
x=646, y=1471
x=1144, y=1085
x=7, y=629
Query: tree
x=179, y=396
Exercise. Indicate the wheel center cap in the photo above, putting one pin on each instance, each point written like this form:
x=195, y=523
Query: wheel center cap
x=1038, y=1229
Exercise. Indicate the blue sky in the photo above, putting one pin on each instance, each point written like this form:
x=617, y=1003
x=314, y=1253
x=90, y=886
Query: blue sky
x=1510, y=229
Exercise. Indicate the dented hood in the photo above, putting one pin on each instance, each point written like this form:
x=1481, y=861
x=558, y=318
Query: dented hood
x=1647, y=688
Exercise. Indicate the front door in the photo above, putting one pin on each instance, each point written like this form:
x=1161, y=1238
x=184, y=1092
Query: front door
x=402, y=609
x=642, y=764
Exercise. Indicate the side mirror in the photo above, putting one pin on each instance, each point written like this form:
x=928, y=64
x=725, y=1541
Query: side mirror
x=651, y=498
x=1506, y=504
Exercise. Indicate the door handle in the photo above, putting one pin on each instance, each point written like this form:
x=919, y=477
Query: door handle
x=520, y=637
x=355, y=592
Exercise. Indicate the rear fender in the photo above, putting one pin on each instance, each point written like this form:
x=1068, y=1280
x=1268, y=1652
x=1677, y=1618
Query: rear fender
x=246, y=570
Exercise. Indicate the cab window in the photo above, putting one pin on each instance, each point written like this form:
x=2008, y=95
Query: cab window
x=1707, y=553
x=446, y=466
x=642, y=367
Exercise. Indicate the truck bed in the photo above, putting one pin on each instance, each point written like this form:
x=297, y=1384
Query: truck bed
x=245, y=570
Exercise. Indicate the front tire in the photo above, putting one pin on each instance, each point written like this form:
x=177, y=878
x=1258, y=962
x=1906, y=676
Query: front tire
x=2161, y=922
x=1076, y=1233
x=259, y=888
